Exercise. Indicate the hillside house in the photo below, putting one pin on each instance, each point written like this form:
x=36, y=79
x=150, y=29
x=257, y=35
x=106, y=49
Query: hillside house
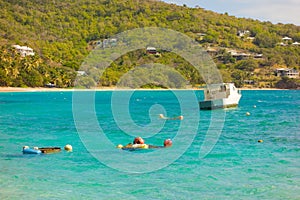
x=81, y=73
x=151, y=50
x=243, y=33
x=249, y=82
x=258, y=55
x=286, y=41
x=284, y=72
x=24, y=50
x=212, y=51
x=286, y=38
x=239, y=55
x=106, y=43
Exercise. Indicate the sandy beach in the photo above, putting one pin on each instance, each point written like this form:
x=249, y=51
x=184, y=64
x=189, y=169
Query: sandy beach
x=38, y=89
x=43, y=89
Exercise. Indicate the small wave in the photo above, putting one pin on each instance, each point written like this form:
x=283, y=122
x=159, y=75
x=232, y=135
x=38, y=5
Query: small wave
x=284, y=162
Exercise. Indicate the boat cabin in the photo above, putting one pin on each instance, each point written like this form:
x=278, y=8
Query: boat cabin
x=218, y=91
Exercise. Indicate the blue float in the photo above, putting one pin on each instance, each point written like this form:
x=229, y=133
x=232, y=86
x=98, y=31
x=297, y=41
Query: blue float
x=27, y=150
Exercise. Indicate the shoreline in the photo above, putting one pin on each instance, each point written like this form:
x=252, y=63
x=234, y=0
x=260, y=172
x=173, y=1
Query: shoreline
x=42, y=89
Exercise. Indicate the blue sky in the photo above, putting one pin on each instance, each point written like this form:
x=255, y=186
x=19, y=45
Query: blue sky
x=275, y=11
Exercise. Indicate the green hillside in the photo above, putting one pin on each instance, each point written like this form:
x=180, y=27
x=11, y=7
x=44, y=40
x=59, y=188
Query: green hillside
x=62, y=33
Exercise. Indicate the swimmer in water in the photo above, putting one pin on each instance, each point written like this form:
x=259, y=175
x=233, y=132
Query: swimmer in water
x=139, y=143
x=171, y=118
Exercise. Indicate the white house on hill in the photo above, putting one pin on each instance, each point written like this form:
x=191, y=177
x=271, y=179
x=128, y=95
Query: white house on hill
x=24, y=50
x=286, y=38
x=151, y=50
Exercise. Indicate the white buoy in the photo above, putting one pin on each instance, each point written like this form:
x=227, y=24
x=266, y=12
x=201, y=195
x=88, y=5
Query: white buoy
x=120, y=146
x=254, y=106
x=247, y=113
x=68, y=147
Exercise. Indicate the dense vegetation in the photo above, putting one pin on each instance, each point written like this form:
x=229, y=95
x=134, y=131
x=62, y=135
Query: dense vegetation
x=62, y=33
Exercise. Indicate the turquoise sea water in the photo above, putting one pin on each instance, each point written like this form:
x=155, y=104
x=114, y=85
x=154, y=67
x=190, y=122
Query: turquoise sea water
x=237, y=167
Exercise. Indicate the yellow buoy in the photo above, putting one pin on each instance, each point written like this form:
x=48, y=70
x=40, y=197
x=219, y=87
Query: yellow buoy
x=68, y=147
x=120, y=146
x=247, y=113
x=260, y=141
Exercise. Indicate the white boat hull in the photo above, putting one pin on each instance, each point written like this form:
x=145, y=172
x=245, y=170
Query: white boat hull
x=225, y=97
x=216, y=104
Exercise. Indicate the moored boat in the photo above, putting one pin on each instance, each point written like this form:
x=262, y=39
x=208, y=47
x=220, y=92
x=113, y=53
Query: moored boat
x=223, y=95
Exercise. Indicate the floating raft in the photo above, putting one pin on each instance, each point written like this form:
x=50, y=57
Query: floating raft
x=50, y=149
x=36, y=150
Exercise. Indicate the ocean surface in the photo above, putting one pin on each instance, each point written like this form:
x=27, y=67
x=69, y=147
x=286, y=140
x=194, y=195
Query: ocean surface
x=215, y=154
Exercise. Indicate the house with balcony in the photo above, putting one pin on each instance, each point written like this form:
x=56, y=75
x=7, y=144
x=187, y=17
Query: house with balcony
x=284, y=72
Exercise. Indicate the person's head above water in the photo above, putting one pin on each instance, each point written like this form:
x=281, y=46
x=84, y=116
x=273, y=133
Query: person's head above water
x=167, y=143
x=138, y=140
